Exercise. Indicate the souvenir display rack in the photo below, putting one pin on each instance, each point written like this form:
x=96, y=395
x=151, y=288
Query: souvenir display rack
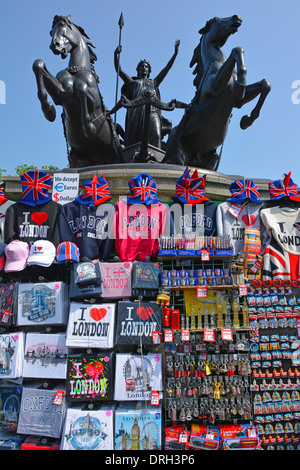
x=190, y=347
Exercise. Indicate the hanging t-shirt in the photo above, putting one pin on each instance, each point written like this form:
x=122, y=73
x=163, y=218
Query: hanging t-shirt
x=137, y=228
x=91, y=326
x=281, y=254
x=45, y=356
x=198, y=219
x=43, y=303
x=283, y=224
x=232, y=219
x=46, y=419
x=11, y=355
x=137, y=375
x=31, y=223
x=89, y=377
x=86, y=429
x=3, y=210
x=137, y=321
x=89, y=227
x=116, y=280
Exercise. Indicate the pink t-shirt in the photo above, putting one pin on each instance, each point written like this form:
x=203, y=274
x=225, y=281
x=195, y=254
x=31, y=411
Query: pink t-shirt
x=137, y=228
x=116, y=280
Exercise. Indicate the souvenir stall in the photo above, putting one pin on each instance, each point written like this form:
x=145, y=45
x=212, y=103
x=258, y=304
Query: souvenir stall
x=149, y=325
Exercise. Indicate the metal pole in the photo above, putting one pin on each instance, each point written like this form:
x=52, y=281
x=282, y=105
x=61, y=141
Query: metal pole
x=121, y=24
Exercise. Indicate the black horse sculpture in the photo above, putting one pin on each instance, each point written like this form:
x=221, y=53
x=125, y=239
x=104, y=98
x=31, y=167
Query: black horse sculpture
x=88, y=127
x=220, y=87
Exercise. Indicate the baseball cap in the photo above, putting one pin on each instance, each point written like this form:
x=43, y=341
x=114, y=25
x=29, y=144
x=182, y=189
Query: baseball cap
x=42, y=253
x=67, y=252
x=16, y=253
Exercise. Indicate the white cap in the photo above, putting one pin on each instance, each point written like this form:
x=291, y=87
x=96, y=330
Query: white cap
x=42, y=253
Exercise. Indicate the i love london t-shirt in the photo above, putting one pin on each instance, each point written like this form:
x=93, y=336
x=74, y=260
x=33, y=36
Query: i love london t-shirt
x=233, y=221
x=31, y=223
x=283, y=224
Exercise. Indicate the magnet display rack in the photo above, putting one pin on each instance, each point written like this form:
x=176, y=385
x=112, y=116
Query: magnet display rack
x=275, y=384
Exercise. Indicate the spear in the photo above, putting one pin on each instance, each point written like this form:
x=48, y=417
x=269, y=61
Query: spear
x=121, y=24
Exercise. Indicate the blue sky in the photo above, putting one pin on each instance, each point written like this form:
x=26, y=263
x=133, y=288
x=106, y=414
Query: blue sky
x=269, y=35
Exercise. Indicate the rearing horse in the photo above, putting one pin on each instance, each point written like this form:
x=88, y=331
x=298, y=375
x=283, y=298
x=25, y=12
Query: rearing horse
x=220, y=87
x=88, y=126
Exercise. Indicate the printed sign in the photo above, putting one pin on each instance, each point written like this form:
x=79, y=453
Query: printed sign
x=65, y=187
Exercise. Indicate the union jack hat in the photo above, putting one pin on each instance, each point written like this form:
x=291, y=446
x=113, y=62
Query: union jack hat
x=3, y=199
x=284, y=188
x=67, y=252
x=143, y=190
x=94, y=191
x=35, y=187
x=243, y=189
x=190, y=189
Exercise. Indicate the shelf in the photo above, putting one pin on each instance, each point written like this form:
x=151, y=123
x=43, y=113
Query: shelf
x=223, y=287
x=196, y=258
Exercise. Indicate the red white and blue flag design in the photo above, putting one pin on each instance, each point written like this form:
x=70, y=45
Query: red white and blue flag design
x=3, y=199
x=279, y=263
x=35, y=187
x=95, y=191
x=191, y=189
x=67, y=252
x=242, y=190
x=284, y=188
x=143, y=190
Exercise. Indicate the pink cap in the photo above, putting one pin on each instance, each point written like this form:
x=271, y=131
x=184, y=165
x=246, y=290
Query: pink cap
x=16, y=253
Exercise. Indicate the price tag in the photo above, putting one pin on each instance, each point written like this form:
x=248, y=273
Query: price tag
x=183, y=437
x=168, y=336
x=156, y=337
x=202, y=292
x=226, y=334
x=59, y=397
x=256, y=266
x=243, y=290
x=185, y=335
x=204, y=255
x=251, y=432
x=154, y=400
x=209, y=435
x=208, y=334
x=235, y=209
x=5, y=316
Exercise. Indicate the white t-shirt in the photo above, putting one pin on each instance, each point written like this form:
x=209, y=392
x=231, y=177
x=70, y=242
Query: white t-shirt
x=283, y=224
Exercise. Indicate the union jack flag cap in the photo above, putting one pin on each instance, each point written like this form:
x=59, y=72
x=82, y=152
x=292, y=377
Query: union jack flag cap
x=94, y=191
x=242, y=190
x=284, y=188
x=67, y=252
x=190, y=189
x=3, y=199
x=143, y=190
x=35, y=187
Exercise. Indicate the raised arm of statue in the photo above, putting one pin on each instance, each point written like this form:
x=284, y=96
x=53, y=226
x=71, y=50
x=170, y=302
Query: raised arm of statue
x=160, y=77
x=126, y=78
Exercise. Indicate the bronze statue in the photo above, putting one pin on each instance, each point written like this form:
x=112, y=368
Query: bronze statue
x=137, y=89
x=89, y=129
x=220, y=87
